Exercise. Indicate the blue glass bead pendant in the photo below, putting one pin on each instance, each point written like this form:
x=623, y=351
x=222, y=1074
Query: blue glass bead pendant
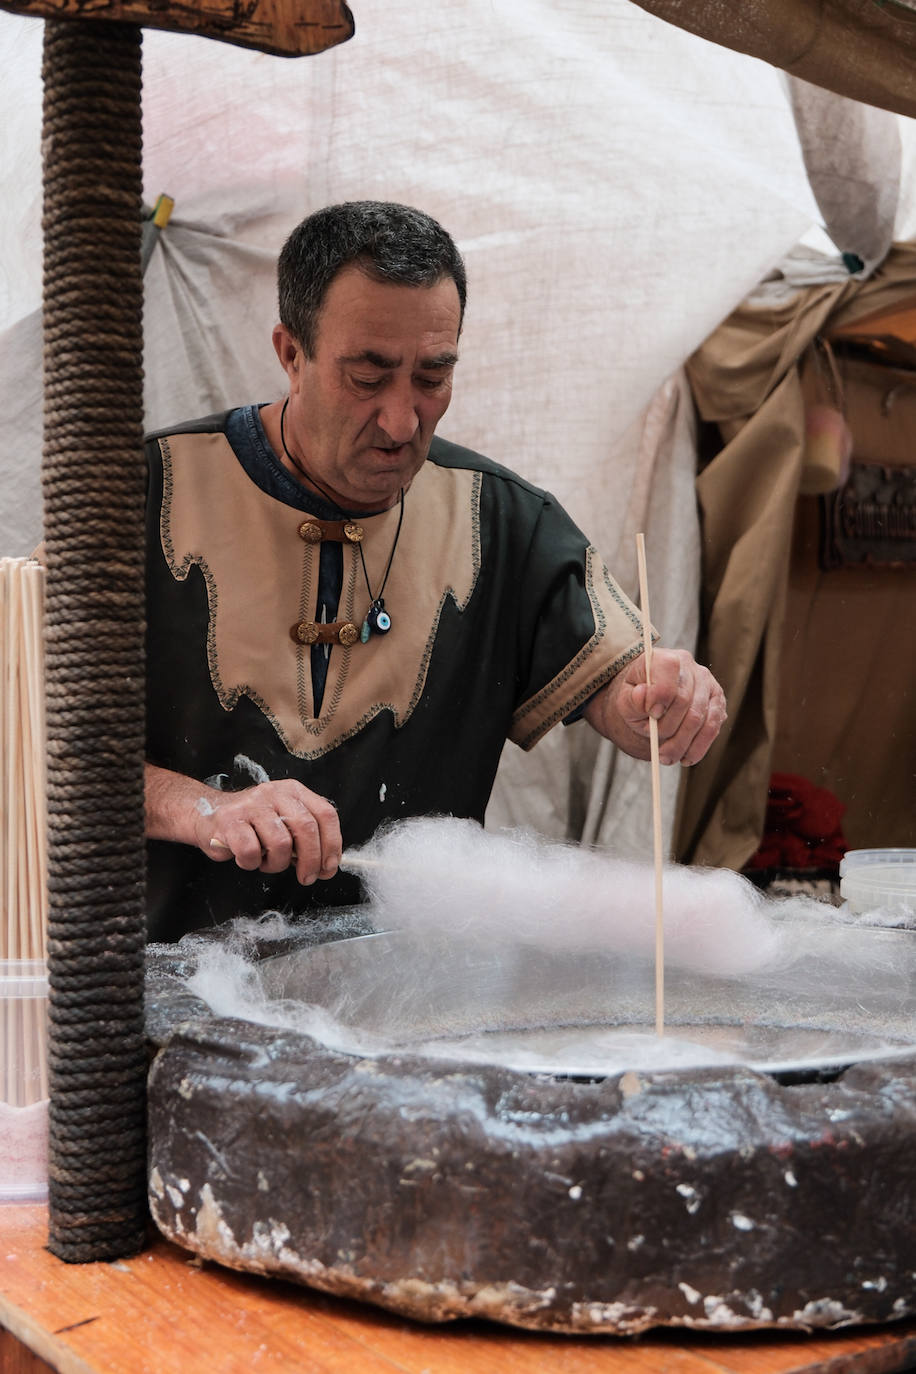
x=377, y=621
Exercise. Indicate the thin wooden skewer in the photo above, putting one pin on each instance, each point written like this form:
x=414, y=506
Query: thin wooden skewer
x=11, y=758
x=656, y=796
x=28, y=878
x=23, y=922
x=34, y=575
x=5, y=933
x=347, y=860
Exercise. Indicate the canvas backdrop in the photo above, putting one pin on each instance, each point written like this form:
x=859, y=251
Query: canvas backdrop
x=616, y=185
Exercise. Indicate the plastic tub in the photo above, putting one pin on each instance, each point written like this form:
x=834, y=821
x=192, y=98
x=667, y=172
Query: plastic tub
x=879, y=879
x=23, y=1081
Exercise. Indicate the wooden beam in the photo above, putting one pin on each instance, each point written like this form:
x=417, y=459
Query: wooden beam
x=285, y=28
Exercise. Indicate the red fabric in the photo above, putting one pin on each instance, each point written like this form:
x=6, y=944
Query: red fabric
x=803, y=826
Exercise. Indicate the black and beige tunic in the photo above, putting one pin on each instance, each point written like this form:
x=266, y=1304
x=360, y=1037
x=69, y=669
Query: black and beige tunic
x=504, y=622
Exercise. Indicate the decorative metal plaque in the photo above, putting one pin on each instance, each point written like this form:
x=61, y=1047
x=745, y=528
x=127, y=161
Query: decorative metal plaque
x=871, y=519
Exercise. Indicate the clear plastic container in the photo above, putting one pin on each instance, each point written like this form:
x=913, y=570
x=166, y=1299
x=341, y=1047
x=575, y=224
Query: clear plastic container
x=879, y=879
x=23, y=1081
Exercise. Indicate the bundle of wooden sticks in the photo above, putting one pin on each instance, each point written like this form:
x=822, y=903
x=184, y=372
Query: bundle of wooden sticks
x=23, y=839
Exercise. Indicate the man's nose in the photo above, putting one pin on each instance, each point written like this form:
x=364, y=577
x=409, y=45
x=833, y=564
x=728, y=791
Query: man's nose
x=398, y=415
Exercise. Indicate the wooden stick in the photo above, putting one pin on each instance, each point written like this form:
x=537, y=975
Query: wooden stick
x=656, y=796
x=34, y=719
x=12, y=747
x=6, y=934
x=38, y=907
x=4, y=787
x=29, y=879
x=348, y=860
x=43, y=1084
x=28, y=884
x=38, y=598
x=6, y=1082
x=23, y=842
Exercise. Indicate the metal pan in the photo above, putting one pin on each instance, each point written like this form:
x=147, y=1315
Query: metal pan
x=593, y=1014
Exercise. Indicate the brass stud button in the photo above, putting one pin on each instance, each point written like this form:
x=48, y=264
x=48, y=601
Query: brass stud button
x=310, y=532
x=353, y=532
x=306, y=632
x=348, y=633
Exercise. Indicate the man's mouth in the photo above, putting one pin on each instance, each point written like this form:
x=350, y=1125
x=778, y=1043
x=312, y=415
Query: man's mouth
x=389, y=452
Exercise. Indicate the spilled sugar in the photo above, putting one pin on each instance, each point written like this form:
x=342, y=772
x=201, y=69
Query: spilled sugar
x=255, y=771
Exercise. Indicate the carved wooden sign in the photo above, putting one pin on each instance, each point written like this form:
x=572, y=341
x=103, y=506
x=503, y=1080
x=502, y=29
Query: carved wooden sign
x=286, y=28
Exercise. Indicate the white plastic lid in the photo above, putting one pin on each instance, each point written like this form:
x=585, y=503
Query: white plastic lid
x=859, y=858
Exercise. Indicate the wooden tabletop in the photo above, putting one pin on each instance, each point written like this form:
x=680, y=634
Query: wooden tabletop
x=164, y=1312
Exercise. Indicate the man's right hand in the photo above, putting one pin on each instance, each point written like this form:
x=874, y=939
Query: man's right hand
x=268, y=826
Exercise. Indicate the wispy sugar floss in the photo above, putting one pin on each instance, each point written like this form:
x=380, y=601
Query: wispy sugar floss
x=495, y=931
x=228, y=980
x=255, y=772
x=445, y=875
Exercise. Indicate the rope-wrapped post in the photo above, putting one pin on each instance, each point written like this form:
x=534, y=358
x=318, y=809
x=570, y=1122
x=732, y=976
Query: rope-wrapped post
x=94, y=486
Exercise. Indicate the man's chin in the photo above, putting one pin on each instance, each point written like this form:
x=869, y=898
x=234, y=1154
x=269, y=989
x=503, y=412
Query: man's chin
x=386, y=483
x=381, y=493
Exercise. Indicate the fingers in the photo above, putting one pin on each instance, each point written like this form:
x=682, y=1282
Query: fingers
x=258, y=839
x=686, y=701
x=273, y=825
x=314, y=827
x=699, y=725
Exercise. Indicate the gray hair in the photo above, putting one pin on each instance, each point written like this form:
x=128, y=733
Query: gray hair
x=389, y=242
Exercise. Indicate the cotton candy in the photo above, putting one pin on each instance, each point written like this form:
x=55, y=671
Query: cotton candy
x=450, y=876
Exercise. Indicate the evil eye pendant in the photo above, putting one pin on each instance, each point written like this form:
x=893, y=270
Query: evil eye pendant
x=378, y=620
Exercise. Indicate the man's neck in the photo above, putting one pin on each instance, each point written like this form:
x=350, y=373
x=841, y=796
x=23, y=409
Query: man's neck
x=271, y=419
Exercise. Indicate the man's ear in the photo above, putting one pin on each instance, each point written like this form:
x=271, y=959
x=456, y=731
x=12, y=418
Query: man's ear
x=288, y=350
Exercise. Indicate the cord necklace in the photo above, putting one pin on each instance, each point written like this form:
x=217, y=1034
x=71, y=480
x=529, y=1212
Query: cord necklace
x=377, y=619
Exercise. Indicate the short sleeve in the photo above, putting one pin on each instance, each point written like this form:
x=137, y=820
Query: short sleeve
x=578, y=629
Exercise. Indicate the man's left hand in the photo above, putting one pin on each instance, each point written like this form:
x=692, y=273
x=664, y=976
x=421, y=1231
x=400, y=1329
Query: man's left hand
x=684, y=698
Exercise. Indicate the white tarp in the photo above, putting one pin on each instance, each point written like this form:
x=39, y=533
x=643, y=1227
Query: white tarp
x=616, y=185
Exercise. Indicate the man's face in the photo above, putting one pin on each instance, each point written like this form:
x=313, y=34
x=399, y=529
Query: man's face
x=363, y=409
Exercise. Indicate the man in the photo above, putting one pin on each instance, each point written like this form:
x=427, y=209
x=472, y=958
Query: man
x=348, y=617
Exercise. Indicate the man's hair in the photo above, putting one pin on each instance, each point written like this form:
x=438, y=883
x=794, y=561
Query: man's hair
x=389, y=242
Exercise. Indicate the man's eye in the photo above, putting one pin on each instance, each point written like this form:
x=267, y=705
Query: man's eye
x=432, y=383
x=366, y=383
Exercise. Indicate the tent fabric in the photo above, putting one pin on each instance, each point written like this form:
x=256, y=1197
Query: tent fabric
x=617, y=187
x=863, y=49
x=853, y=157
x=587, y=791
x=746, y=378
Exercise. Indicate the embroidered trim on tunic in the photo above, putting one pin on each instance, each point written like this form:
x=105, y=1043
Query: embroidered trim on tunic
x=207, y=497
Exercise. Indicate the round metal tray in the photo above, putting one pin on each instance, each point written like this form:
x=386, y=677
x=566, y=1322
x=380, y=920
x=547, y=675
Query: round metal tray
x=588, y=1015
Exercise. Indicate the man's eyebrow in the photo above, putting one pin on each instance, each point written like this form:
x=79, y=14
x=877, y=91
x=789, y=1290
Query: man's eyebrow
x=369, y=355
x=447, y=359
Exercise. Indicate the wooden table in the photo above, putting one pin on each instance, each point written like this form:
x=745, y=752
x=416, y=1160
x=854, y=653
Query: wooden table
x=164, y=1312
